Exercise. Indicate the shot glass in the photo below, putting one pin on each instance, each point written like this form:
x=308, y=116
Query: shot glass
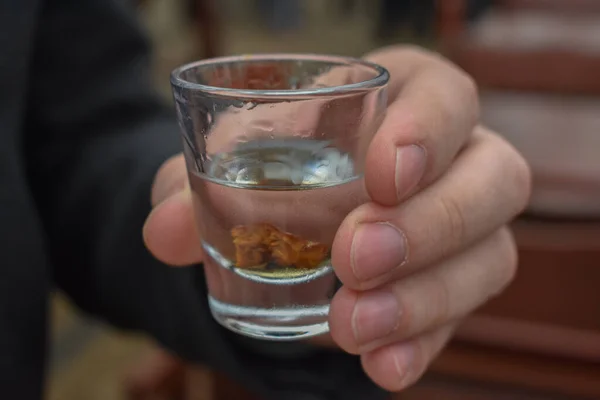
x=275, y=147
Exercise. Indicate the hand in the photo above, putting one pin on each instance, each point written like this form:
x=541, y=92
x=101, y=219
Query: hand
x=431, y=245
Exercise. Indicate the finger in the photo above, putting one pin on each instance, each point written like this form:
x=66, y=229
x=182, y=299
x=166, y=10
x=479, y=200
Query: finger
x=170, y=179
x=170, y=232
x=363, y=321
x=486, y=186
x=398, y=366
x=403, y=62
x=434, y=107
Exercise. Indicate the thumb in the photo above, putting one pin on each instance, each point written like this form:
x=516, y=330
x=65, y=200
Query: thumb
x=170, y=232
x=170, y=179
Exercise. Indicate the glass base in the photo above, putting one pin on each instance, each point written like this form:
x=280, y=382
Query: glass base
x=275, y=324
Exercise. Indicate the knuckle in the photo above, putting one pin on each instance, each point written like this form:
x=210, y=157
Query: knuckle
x=421, y=56
x=399, y=53
x=511, y=169
x=453, y=223
x=518, y=177
x=443, y=301
x=406, y=320
x=522, y=181
x=470, y=85
x=521, y=171
x=429, y=57
x=512, y=256
x=425, y=303
x=418, y=52
x=465, y=87
x=464, y=92
x=471, y=91
x=509, y=259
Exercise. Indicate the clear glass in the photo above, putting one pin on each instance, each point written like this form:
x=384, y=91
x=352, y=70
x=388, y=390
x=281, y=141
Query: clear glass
x=275, y=147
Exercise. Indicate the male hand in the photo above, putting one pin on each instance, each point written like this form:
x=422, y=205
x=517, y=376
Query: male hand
x=429, y=247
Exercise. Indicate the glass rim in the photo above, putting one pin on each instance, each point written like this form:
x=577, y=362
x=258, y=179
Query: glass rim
x=379, y=80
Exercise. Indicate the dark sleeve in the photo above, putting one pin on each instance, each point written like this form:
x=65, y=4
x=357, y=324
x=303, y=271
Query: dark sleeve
x=96, y=135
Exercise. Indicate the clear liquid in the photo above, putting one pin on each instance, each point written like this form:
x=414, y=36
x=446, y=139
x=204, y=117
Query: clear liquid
x=268, y=213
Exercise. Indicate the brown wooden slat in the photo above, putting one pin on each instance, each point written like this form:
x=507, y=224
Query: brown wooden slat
x=439, y=387
x=545, y=339
x=545, y=374
x=546, y=71
x=575, y=6
x=558, y=278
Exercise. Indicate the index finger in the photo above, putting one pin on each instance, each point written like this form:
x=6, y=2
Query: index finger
x=433, y=110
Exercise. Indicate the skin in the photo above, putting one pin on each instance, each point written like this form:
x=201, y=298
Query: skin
x=432, y=243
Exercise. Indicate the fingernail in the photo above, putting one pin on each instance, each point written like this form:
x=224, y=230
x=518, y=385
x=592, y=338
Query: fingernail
x=375, y=315
x=410, y=167
x=403, y=359
x=377, y=249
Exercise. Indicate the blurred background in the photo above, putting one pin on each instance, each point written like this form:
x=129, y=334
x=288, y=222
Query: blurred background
x=537, y=63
